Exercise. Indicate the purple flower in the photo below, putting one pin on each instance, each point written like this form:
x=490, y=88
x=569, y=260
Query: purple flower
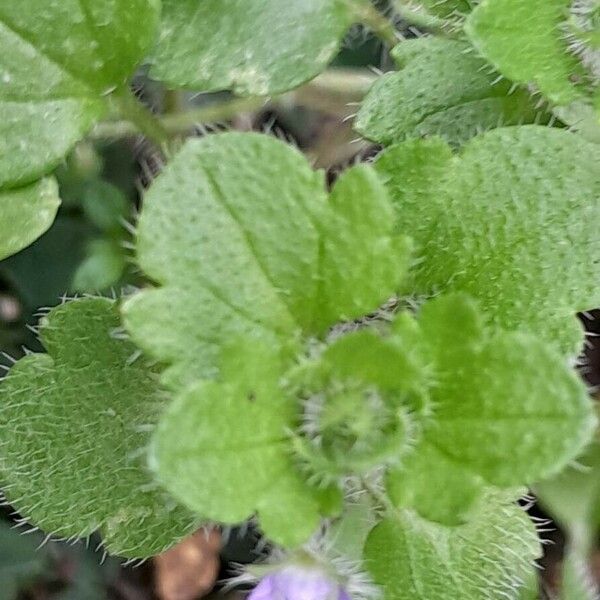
x=298, y=583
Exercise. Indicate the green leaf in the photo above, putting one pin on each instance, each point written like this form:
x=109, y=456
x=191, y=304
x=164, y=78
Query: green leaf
x=447, y=8
x=510, y=220
x=239, y=232
x=26, y=213
x=229, y=44
x=489, y=557
x=428, y=469
x=58, y=62
x=531, y=588
x=361, y=393
x=525, y=41
x=217, y=433
x=442, y=88
x=74, y=424
x=507, y=412
x=106, y=206
x=361, y=262
x=21, y=562
x=102, y=267
x=514, y=411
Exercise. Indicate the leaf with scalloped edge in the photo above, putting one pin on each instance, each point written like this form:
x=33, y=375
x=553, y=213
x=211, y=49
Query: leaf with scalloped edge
x=509, y=220
x=26, y=213
x=74, y=424
x=524, y=40
x=441, y=88
x=489, y=557
x=239, y=232
x=507, y=411
x=222, y=447
x=229, y=44
x=58, y=62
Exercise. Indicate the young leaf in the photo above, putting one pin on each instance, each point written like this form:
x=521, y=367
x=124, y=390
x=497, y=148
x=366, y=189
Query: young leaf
x=507, y=411
x=26, y=213
x=359, y=400
x=510, y=220
x=229, y=44
x=442, y=88
x=524, y=41
x=356, y=271
x=489, y=557
x=58, y=62
x=239, y=232
x=74, y=424
x=222, y=448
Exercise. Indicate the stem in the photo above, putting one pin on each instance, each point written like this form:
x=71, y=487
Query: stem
x=380, y=498
x=142, y=118
x=420, y=18
x=176, y=123
x=172, y=102
x=380, y=25
x=329, y=92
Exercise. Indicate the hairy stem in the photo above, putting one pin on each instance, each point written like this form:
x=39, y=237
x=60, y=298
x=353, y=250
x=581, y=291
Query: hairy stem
x=421, y=18
x=380, y=498
x=329, y=92
x=380, y=25
x=141, y=119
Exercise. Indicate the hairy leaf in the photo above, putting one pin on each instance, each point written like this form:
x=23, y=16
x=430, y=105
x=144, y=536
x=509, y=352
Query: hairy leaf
x=489, y=557
x=524, y=41
x=447, y=8
x=251, y=46
x=74, y=424
x=222, y=448
x=442, y=88
x=26, y=213
x=360, y=261
x=362, y=393
x=58, y=61
x=239, y=232
x=507, y=411
x=510, y=220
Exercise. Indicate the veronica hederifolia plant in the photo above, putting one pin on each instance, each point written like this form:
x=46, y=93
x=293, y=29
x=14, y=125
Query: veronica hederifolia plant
x=74, y=424
x=320, y=353
x=307, y=408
